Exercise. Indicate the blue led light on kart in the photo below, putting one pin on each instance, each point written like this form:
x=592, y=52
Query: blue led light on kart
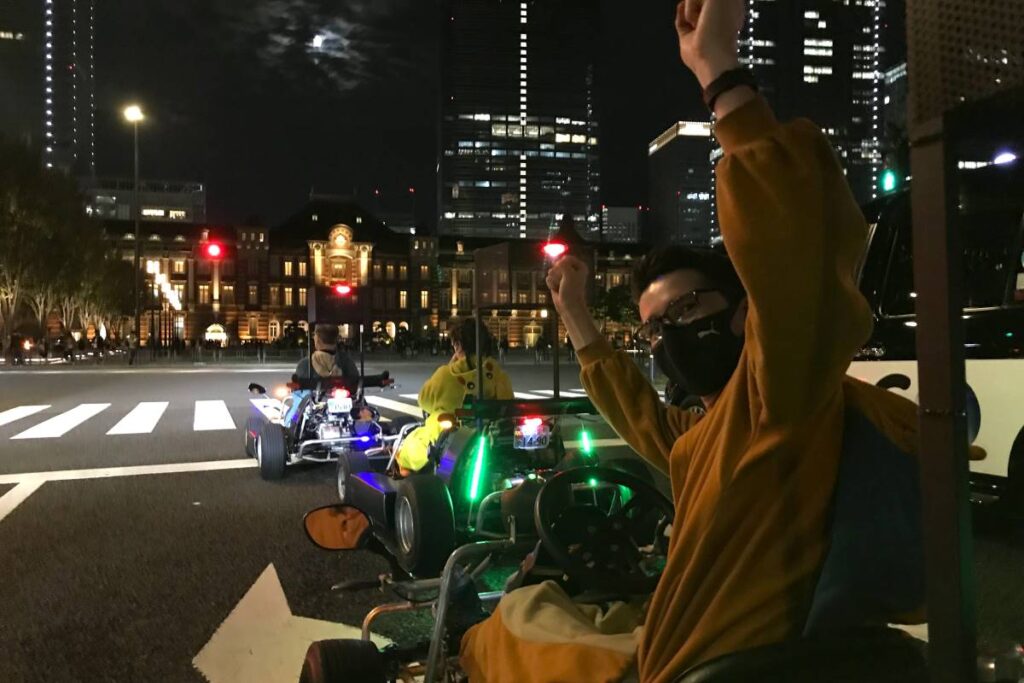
x=478, y=468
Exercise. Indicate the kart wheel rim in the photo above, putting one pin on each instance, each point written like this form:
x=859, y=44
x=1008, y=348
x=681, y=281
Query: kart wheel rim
x=405, y=525
x=259, y=450
x=341, y=484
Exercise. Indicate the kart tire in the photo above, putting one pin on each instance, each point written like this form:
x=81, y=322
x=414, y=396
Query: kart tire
x=348, y=464
x=252, y=426
x=424, y=525
x=343, y=661
x=271, y=452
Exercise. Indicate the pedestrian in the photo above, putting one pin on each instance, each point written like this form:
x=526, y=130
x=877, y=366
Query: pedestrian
x=133, y=347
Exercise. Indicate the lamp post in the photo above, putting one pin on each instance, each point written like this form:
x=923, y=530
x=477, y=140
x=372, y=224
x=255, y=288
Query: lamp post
x=133, y=115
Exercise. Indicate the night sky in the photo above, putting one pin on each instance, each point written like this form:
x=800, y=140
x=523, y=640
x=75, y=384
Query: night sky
x=238, y=99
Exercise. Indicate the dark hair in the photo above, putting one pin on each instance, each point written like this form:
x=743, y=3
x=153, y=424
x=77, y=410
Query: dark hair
x=712, y=264
x=463, y=332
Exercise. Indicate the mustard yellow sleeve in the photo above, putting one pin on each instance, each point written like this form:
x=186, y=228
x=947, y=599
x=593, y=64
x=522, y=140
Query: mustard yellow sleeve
x=795, y=235
x=628, y=402
x=442, y=392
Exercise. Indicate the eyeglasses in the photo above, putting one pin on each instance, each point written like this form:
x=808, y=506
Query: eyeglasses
x=679, y=312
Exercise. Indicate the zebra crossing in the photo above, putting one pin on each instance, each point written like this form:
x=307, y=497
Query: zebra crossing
x=53, y=421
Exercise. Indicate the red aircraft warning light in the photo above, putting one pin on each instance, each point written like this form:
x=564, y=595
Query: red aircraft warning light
x=554, y=250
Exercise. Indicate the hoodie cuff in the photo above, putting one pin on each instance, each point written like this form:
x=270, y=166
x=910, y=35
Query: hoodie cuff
x=751, y=122
x=594, y=352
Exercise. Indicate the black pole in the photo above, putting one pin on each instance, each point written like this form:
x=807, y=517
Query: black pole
x=554, y=354
x=942, y=382
x=138, y=241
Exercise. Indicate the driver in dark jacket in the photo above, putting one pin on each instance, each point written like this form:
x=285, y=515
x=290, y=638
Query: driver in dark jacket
x=329, y=359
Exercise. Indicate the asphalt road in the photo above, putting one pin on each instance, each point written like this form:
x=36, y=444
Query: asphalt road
x=128, y=576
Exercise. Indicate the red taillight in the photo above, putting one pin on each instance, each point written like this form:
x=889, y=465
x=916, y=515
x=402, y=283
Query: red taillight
x=341, y=393
x=554, y=250
x=530, y=425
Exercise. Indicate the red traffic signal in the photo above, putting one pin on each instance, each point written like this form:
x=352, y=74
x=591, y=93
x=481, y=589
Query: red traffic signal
x=342, y=290
x=212, y=250
x=554, y=250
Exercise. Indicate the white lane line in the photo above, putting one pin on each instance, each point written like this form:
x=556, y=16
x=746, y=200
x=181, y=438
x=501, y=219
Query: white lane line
x=526, y=395
x=63, y=423
x=597, y=443
x=141, y=420
x=17, y=496
x=130, y=471
x=13, y=414
x=394, y=405
x=414, y=397
x=211, y=416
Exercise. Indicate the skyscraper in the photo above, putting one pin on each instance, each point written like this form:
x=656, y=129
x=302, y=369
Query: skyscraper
x=681, y=186
x=822, y=59
x=20, y=71
x=518, y=132
x=69, y=85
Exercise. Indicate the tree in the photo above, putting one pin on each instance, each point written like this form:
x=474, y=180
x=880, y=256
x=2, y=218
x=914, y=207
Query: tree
x=616, y=305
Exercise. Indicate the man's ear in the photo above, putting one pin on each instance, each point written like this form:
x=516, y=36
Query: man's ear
x=739, y=318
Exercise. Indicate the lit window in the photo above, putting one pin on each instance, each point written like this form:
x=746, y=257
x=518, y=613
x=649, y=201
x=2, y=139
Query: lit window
x=811, y=15
x=176, y=214
x=275, y=295
x=403, y=272
x=403, y=299
x=315, y=218
x=424, y=272
x=376, y=266
x=302, y=296
x=424, y=299
x=287, y=296
x=389, y=269
x=261, y=237
x=204, y=294
x=302, y=269
x=253, y=294
x=153, y=213
x=179, y=267
x=287, y=268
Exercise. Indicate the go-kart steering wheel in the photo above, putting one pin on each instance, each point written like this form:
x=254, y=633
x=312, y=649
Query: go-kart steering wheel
x=620, y=550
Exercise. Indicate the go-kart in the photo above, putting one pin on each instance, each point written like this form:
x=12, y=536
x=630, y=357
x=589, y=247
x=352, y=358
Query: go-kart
x=318, y=420
x=604, y=529
x=488, y=448
x=603, y=544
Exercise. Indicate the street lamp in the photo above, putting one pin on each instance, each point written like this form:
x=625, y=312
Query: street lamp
x=133, y=115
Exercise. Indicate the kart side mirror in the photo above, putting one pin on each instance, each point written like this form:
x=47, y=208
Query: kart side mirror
x=256, y=388
x=337, y=527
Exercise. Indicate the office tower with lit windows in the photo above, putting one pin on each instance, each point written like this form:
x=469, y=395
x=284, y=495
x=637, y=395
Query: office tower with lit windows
x=518, y=133
x=822, y=59
x=68, y=85
x=682, y=195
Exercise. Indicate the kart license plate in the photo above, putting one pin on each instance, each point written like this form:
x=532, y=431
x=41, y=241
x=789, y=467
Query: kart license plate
x=532, y=440
x=339, y=405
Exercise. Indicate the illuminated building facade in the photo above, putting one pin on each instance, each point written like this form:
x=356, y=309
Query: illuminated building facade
x=682, y=195
x=518, y=132
x=69, y=85
x=159, y=200
x=822, y=59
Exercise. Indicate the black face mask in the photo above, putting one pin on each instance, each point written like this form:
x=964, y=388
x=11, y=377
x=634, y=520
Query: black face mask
x=663, y=361
x=703, y=354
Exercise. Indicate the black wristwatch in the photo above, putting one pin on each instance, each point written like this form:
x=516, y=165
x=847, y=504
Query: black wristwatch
x=734, y=78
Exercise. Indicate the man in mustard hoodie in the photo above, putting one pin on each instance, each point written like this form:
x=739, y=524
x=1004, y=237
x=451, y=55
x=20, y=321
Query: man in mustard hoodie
x=447, y=388
x=755, y=478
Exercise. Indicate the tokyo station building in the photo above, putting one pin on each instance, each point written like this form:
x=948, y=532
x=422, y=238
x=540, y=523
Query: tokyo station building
x=261, y=283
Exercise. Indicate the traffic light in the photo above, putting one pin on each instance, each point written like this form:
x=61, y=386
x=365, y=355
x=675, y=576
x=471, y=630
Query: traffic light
x=554, y=249
x=213, y=251
x=343, y=289
x=889, y=181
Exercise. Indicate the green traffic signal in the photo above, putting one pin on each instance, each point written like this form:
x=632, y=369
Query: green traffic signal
x=889, y=180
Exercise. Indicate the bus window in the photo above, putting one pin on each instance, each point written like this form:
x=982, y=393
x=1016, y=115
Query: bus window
x=991, y=243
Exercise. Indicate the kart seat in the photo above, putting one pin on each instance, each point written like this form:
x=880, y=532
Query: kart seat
x=872, y=574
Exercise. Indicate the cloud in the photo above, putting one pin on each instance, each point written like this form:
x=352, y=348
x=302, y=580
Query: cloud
x=345, y=44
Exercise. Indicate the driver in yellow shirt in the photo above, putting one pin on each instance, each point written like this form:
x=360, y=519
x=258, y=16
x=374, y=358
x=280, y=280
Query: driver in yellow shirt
x=447, y=388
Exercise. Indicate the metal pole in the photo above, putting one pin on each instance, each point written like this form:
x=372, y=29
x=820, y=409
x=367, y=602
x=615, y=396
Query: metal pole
x=943, y=423
x=554, y=353
x=138, y=239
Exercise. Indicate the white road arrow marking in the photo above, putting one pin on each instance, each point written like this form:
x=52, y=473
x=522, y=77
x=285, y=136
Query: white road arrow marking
x=17, y=496
x=261, y=641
